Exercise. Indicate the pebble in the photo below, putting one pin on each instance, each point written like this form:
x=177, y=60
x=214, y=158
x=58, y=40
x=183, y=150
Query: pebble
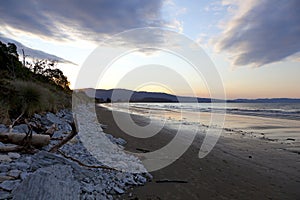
x=58, y=134
x=24, y=175
x=4, y=195
x=14, y=155
x=5, y=158
x=118, y=190
x=4, y=167
x=22, y=128
x=9, y=184
x=14, y=173
x=5, y=178
x=21, y=165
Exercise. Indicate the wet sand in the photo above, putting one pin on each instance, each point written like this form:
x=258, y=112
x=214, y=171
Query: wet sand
x=237, y=167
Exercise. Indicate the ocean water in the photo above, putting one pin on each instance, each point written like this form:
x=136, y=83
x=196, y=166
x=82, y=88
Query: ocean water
x=271, y=121
x=271, y=110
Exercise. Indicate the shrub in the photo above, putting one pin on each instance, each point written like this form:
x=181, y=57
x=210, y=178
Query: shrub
x=31, y=97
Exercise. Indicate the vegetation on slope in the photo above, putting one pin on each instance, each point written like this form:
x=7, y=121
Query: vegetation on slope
x=34, y=87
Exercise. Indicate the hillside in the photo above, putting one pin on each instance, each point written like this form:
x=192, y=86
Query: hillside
x=24, y=90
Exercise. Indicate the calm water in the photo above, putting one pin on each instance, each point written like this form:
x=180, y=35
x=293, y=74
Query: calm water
x=273, y=120
x=270, y=110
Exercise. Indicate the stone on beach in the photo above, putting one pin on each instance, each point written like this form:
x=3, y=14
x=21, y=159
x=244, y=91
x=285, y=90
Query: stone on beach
x=9, y=184
x=14, y=155
x=57, y=183
x=5, y=158
x=53, y=176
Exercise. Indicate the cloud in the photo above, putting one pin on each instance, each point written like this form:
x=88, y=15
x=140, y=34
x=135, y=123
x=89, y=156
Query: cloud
x=69, y=19
x=261, y=32
x=33, y=53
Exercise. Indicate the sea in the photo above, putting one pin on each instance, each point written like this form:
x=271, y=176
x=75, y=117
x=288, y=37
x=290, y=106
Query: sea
x=276, y=122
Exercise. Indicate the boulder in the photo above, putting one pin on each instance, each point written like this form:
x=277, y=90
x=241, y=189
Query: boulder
x=57, y=182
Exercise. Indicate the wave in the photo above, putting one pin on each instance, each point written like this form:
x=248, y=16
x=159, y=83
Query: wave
x=291, y=111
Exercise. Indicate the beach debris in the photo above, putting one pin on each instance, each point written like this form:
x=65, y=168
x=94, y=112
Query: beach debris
x=103, y=126
x=291, y=139
x=143, y=150
x=36, y=140
x=170, y=181
x=79, y=174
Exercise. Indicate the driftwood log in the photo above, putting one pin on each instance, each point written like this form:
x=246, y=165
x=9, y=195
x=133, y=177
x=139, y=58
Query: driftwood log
x=11, y=148
x=37, y=140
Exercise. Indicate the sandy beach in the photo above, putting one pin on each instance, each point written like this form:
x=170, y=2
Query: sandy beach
x=237, y=167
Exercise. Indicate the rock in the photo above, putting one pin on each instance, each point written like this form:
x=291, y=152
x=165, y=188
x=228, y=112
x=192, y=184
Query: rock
x=5, y=178
x=3, y=128
x=120, y=141
x=22, y=128
x=14, y=173
x=114, y=140
x=1, y=144
x=118, y=190
x=4, y=195
x=5, y=158
x=89, y=188
x=28, y=160
x=21, y=166
x=58, y=134
x=57, y=183
x=53, y=119
x=14, y=155
x=9, y=185
x=99, y=188
x=65, y=128
x=24, y=175
x=37, y=116
x=140, y=179
x=4, y=167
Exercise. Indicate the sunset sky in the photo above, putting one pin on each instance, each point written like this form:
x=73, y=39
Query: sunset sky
x=254, y=44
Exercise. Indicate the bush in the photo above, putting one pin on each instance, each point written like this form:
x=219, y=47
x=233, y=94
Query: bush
x=31, y=97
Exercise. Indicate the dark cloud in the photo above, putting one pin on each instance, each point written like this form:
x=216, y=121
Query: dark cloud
x=268, y=32
x=91, y=19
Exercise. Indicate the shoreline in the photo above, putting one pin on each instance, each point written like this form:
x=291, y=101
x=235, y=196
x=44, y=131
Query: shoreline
x=237, y=168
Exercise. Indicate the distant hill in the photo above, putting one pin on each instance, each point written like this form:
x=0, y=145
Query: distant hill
x=124, y=95
x=265, y=100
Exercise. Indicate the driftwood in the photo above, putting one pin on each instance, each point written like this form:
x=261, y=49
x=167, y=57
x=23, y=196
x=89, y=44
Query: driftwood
x=36, y=140
x=11, y=148
x=85, y=165
x=51, y=130
x=65, y=140
x=143, y=150
x=170, y=181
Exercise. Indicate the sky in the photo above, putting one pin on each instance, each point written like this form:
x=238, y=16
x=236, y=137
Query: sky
x=253, y=44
